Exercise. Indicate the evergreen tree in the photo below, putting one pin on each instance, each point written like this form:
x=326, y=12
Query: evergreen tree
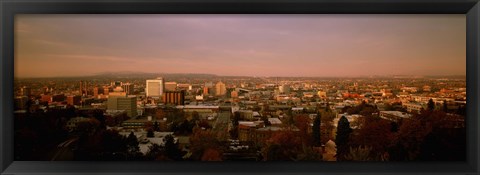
x=431, y=105
x=445, y=106
x=156, y=126
x=132, y=143
x=154, y=152
x=234, y=131
x=171, y=148
x=150, y=133
x=316, y=130
x=291, y=120
x=98, y=114
x=341, y=140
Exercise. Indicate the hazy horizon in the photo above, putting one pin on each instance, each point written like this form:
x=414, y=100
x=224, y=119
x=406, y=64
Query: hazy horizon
x=241, y=45
x=123, y=73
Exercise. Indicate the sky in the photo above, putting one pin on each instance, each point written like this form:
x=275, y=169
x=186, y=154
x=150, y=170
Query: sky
x=315, y=45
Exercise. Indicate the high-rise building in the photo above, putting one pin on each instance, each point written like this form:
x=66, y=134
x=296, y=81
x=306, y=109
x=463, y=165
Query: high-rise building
x=106, y=90
x=128, y=88
x=96, y=92
x=220, y=89
x=205, y=90
x=118, y=100
x=83, y=88
x=170, y=86
x=174, y=97
x=155, y=87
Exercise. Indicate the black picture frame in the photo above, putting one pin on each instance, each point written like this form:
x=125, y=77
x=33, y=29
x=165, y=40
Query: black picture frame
x=9, y=8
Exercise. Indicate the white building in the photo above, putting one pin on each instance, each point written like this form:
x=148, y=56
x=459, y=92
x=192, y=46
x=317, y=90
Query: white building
x=155, y=88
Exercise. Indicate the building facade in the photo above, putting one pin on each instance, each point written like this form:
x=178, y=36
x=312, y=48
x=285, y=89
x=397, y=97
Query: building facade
x=155, y=88
x=174, y=97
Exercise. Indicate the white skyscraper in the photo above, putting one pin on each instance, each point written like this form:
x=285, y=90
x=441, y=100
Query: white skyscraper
x=155, y=88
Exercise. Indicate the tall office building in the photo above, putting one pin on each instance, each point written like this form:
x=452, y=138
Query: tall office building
x=220, y=89
x=155, y=87
x=118, y=100
x=128, y=88
x=83, y=87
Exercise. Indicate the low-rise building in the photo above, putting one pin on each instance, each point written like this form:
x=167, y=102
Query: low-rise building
x=394, y=115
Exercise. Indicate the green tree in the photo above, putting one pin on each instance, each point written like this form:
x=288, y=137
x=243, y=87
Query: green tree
x=316, y=130
x=342, y=137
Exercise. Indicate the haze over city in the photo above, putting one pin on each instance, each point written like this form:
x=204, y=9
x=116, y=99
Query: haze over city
x=247, y=45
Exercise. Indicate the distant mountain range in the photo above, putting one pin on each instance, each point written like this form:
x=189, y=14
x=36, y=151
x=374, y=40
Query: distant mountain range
x=135, y=74
x=138, y=74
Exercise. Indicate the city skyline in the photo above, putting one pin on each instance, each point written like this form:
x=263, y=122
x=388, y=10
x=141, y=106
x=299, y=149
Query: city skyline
x=241, y=45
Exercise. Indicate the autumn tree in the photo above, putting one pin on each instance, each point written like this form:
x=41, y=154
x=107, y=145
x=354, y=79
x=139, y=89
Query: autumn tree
x=148, y=125
x=375, y=133
x=303, y=124
x=282, y=145
x=364, y=153
x=342, y=137
x=212, y=155
x=156, y=152
x=326, y=119
x=201, y=141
